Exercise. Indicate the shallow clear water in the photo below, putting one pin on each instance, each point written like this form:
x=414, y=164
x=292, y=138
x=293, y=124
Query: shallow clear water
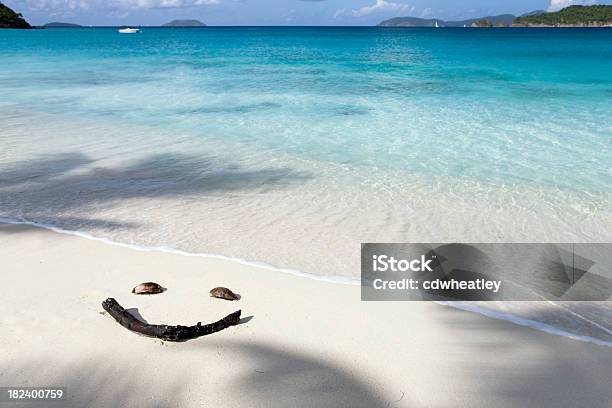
x=291, y=146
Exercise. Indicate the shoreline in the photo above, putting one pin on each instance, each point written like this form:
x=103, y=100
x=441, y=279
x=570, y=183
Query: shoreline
x=471, y=307
x=169, y=250
x=303, y=342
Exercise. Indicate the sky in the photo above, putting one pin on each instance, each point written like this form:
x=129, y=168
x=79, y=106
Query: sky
x=270, y=12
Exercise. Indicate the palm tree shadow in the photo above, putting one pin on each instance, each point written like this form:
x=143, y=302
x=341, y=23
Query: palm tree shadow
x=551, y=375
x=99, y=382
x=44, y=169
x=282, y=378
x=269, y=377
x=65, y=183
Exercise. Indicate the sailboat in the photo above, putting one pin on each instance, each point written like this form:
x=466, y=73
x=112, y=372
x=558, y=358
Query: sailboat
x=436, y=24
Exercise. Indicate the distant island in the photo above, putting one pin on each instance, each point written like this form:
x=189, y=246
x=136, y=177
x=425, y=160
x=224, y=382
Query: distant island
x=10, y=19
x=500, y=20
x=411, y=22
x=62, y=25
x=573, y=16
x=184, y=23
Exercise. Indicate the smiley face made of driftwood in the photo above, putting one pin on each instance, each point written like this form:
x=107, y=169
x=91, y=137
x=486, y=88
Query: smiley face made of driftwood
x=170, y=332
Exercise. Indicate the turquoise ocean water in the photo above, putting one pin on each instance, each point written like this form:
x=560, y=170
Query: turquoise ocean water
x=291, y=146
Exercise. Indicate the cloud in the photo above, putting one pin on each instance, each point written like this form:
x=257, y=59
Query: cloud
x=556, y=5
x=379, y=6
x=156, y=4
x=339, y=13
x=74, y=5
x=66, y=5
x=428, y=12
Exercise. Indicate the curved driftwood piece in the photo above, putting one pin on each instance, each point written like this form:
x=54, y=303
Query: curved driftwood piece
x=165, y=332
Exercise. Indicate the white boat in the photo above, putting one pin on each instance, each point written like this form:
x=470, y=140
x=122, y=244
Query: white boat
x=129, y=30
x=436, y=24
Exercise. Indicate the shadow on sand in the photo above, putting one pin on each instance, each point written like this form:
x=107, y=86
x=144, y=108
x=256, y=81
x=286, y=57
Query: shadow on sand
x=46, y=189
x=271, y=378
x=502, y=366
x=288, y=378
x=547, y=370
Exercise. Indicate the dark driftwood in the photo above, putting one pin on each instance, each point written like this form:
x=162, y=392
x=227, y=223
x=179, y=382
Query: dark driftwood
x=162, y=331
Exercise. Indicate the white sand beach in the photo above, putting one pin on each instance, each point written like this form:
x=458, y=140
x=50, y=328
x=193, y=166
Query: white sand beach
x=304, y=343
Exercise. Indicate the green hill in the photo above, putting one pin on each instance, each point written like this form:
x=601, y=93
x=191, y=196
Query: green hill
x=503, y=19
x=500, y=20
x=10, y=19
x=581, y=16
x=573, y=16
x=497, y=21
